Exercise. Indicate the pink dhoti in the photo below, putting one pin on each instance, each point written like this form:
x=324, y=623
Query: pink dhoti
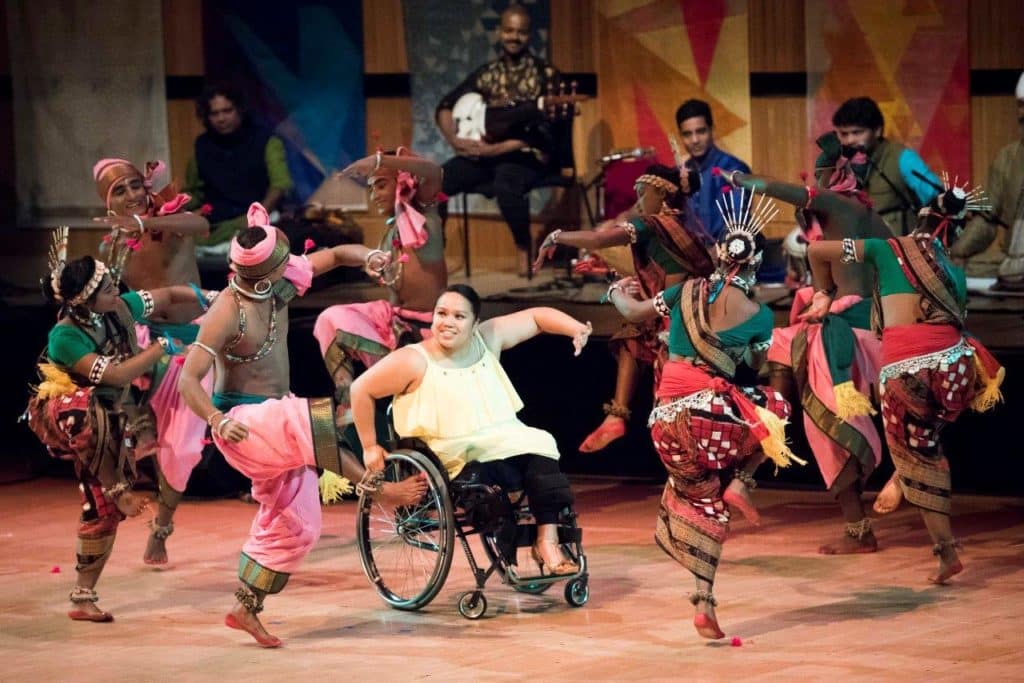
x=818, y=354
x=180, y=432
x=365, y=332
x=288, y=439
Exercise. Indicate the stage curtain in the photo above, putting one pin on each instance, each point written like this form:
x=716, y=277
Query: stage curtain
x=87, y=81
x=910, y=57
x=654, y=55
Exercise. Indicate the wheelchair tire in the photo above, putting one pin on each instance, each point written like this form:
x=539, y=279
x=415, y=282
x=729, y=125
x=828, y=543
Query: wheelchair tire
x=473, y=604
x=577, y=592
x=532, y=588
x=406, y=552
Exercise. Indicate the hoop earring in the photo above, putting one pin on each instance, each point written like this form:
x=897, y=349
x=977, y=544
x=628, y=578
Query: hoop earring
x=263, y=286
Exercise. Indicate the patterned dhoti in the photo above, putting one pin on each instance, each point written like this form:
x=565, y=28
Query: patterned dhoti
x=812, y=350
x=698, y=435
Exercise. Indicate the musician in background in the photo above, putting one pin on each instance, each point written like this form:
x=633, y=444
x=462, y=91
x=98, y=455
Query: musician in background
x=697, y=129
x=513, y=165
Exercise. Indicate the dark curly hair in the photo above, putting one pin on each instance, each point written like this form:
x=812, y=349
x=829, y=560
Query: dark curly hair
x=73, y=279
x=859, y=111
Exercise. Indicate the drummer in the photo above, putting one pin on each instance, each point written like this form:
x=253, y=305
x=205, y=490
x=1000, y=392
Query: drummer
x=697, y=128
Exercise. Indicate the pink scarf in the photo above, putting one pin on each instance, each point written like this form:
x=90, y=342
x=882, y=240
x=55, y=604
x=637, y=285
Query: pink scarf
x=298, y=271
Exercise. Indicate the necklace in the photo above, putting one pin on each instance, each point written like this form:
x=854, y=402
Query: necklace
x=93, y=319
x=254, y=296
x=392, y=275
x=268, y=343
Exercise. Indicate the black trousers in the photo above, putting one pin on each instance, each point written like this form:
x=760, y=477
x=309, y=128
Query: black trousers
x=511, y=175
x=518, y=474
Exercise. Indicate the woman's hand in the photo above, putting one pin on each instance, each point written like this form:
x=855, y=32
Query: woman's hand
x=546, y=251
x=580, y=337
x=630, y=286
x=233, y=431
x=373, y=457
x=819, y=307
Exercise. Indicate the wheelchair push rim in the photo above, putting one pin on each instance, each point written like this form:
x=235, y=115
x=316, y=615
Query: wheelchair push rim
x=406, y=552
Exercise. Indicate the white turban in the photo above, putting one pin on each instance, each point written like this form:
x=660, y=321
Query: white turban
x=1020, y=87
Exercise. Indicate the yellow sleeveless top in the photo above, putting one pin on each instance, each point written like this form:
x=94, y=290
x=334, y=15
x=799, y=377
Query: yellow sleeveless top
x=468, y=414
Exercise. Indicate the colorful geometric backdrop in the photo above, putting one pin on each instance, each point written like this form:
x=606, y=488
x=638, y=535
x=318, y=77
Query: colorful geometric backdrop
x=656, y=54
x=910, y=56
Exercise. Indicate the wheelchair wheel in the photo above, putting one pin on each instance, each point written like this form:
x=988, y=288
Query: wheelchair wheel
x=577, y=592
x=406, y=552
x=532, y=588
x=472, y=605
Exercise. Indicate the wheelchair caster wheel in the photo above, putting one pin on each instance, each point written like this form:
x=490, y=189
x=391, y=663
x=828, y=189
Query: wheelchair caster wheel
x=577, y=592
x=472, y=605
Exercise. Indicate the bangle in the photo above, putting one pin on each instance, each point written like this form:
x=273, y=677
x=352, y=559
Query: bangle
x=220, y=426
x=138, y=219
x=369, y=255
x=554, y=236
x=611, y=288
x=849, y=254
x=209, y=418
x=380, y=160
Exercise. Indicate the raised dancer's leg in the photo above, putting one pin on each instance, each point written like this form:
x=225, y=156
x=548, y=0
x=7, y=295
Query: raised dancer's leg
x=617, y=411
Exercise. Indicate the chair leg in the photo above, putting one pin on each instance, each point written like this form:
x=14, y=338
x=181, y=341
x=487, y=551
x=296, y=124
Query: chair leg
x=465, y=233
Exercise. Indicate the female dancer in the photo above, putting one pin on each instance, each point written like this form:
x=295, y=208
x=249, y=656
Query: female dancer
x=704, y=425
x=86, y=409
x=668, y=246
x=931, y=369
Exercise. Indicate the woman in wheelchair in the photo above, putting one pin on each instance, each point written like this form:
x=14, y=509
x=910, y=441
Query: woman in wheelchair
x=452, y=393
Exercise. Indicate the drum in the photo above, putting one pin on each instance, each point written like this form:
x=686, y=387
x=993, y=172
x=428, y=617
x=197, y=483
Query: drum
x=621, y=168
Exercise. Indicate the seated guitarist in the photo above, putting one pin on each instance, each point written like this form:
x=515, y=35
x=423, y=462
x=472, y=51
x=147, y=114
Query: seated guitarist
x=514, y=166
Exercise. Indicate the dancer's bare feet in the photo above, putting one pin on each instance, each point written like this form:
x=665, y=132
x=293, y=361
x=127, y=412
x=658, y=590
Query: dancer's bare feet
x=848, y=545
x=409, y=491
x=88, y=611
x=949, y=564
x=156, y=551
x=611, y=429
x=737, y=495
x=705, y=622
x=890, y=497
x=242, y=619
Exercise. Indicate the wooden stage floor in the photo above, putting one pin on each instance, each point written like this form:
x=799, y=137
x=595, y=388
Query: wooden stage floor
x=800, y=615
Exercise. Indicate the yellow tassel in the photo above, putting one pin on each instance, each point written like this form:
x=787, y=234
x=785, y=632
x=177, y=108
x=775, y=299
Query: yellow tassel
x=990, y=395
x=55, y=382
x=774, y=446
x=851, y=403
x=333, y=487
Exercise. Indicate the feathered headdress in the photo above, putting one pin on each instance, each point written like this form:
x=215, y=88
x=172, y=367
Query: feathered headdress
x=745, y=215
x=57, y=259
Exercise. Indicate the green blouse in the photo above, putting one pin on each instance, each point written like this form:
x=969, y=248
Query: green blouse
x=648, y=241
x=67, y=344
x=891, y=279
x=757, y=328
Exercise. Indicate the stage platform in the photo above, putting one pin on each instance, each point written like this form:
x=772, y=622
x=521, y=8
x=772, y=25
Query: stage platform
x=798, y=615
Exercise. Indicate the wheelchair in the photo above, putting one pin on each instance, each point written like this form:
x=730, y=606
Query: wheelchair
x=407, y=552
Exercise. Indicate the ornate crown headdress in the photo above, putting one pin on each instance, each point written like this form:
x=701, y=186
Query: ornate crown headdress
x=57, y=259
x=745, y=215
x=737, y=250
x=974, y=199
